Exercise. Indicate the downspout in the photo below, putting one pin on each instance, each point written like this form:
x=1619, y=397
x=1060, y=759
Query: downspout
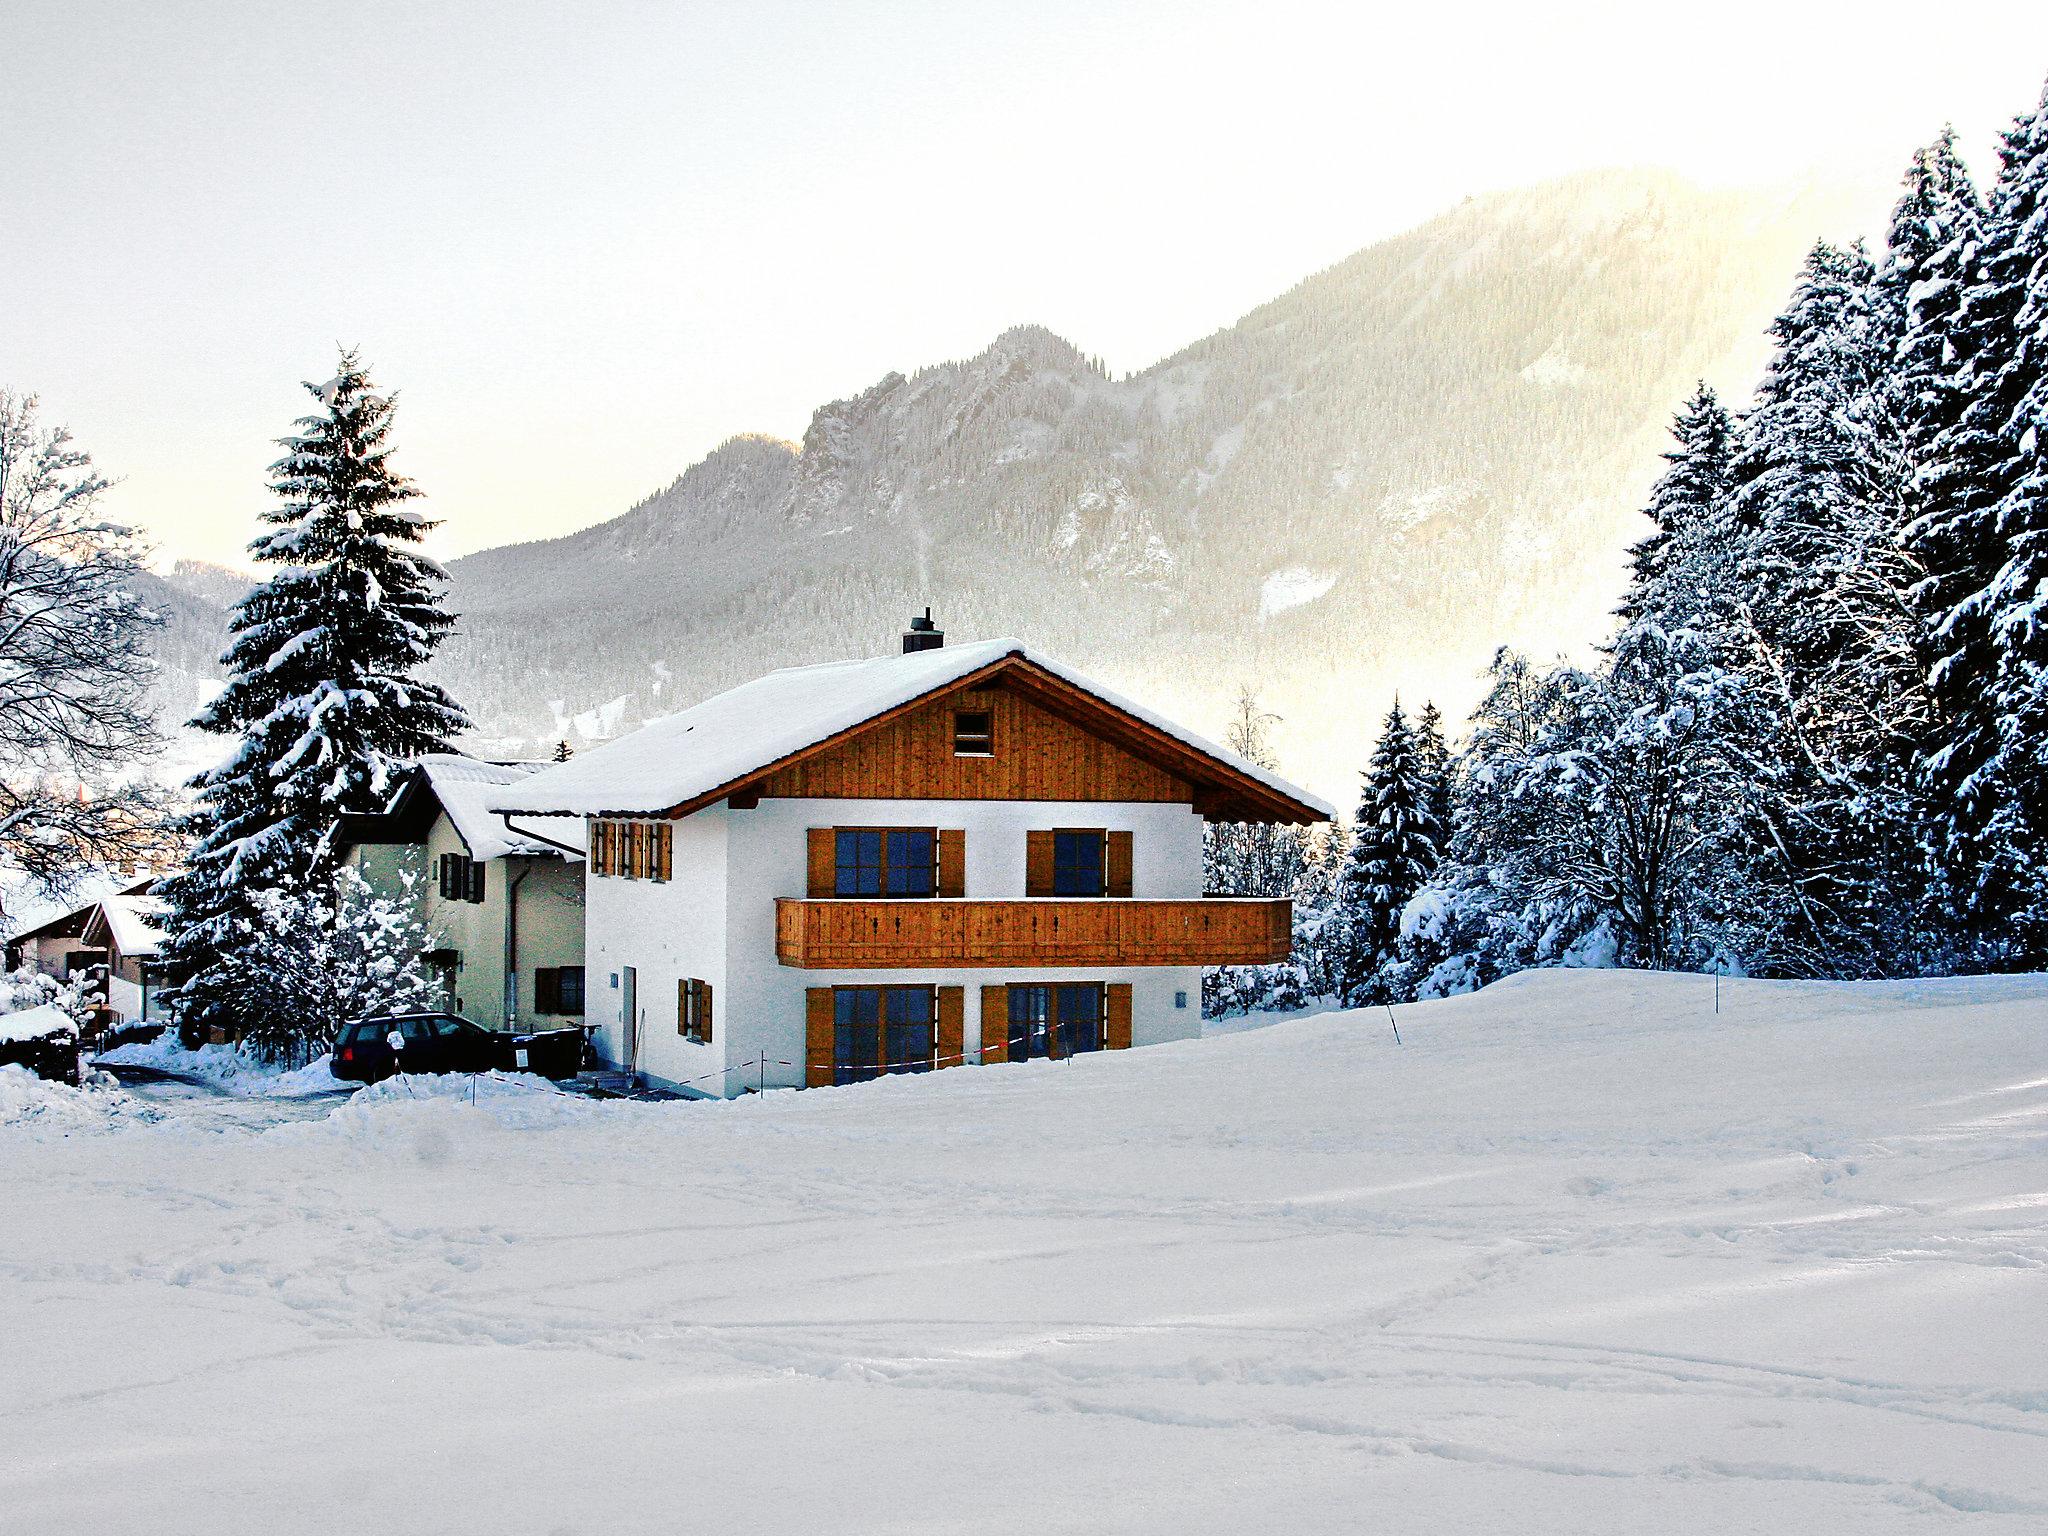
x=512, y=947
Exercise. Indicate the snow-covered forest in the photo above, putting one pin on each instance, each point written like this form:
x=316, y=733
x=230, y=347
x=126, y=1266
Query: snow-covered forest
x=1816, y=741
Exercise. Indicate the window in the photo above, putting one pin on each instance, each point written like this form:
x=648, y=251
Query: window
x=693, y=1010
x=881, y=1029
x=462, y=878
x=885, y=861
x=974, y=733
x=558, y=990
x=1077, y=864
x=1055, y=1021
x=632, y=850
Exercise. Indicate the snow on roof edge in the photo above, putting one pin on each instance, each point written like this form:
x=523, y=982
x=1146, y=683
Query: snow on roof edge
x=757, y=723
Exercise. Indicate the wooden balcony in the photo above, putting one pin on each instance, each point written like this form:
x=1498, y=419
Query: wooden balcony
x=863, y=934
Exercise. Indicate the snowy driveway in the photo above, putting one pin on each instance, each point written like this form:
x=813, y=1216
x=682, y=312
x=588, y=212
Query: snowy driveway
x=1579, y=1257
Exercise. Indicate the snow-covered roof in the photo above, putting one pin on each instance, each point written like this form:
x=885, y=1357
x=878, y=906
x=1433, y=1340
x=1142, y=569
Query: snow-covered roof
x=721, y=741
x=465, y=786
x=130, y=922
x=37, y=1023
x=33, y=912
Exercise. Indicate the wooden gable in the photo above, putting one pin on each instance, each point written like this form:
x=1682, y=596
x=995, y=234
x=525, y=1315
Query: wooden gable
x=1037, y=755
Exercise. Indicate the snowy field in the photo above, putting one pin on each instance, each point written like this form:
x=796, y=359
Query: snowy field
x=1580, y=1256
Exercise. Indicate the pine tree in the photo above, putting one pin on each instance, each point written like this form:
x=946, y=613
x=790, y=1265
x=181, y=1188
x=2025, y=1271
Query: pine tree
x=1827, y=636
x=1434, y=754
x=563, y=751
x=1394, y=849
x=322, y=693
x=1665, y=579
x=1983, y=540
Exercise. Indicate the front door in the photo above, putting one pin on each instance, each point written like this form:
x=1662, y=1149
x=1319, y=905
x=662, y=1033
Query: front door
x=629, y=1021
x=1055, y=1021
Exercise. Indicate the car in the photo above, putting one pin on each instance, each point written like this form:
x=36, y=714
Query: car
x=447, y=1042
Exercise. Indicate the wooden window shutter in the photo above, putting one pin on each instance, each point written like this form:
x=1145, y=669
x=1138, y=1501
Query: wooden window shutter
x=819, y=1037
x=704, y=1012
x=952, y=1026
x=1037, y=863
x=952, y=861
x=995, y=1024
x=821, y=862
x=664, y=850
x=1117, y=1017
x=639, y=850
x=1116, y=864
x=600, y=843
x=476, y=882
x=547, y=991
x=683, y=1008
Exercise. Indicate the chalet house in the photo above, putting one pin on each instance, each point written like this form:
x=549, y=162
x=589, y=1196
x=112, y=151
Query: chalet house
x=124, y=928
x=953, y=855
x=56, y=946
x=506, y=910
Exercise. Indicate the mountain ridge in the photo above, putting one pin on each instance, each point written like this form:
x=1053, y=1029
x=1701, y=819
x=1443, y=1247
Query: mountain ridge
x=1432, y=446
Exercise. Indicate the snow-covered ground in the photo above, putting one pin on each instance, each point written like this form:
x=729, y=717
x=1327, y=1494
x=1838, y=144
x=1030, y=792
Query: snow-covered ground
x=222, y=1068
x=1579, y=1256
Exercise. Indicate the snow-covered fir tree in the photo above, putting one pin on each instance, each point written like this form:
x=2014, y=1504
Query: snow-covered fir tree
x=1666, y=573
x=1828, y=639
x=1394, y=849
x=324, y=695
x=322, y=949
x=1433, y=752
x=1982, y=537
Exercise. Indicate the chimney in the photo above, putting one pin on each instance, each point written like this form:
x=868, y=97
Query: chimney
x=923, y=635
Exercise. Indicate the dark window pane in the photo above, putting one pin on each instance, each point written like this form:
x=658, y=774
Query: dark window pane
x=859, y=858
x=1030, y=1014
x=973, y=732
x=1080, y=1010
x=1077, y=864
x=569, y=989
x=910, y=856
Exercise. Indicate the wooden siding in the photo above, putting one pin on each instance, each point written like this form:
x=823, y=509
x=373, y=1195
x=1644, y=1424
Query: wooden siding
x=895, y=935
x=1038, y=756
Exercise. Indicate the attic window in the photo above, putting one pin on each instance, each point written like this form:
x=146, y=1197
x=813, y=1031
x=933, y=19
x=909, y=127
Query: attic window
x=974, y=733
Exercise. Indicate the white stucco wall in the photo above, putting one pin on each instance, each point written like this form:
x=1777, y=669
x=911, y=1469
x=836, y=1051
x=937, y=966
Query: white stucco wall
x=666, y=931
x=716, y=921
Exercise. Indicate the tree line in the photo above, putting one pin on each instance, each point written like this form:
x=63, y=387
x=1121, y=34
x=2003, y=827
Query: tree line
x=1816, y=742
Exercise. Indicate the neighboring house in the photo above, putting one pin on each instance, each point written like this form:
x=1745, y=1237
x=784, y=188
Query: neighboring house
x=505, y=910
x=952, y=855
x=125, y=927
x=57, y=946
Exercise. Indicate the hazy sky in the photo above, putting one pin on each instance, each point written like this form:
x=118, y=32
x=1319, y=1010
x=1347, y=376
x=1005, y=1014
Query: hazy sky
x=587, y=242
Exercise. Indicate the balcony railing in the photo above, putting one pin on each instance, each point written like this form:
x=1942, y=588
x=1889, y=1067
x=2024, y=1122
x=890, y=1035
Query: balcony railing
x=861, y=934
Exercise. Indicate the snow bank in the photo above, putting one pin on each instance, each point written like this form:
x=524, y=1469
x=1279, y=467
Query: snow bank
x=224, y=1068
x=37, y=1023
x=1582, y=1255
x=29, y=1104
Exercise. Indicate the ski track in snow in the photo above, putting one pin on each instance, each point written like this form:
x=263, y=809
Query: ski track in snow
x=1580, y=1256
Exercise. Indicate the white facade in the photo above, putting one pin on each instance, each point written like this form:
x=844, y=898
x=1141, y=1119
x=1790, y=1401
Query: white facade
x=715, y=922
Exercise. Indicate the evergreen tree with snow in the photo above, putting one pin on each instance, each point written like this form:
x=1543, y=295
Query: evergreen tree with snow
x=323, y=695
x=1434, y=754
x=1827, y=636
x=1982, y=537
x=1665, y=577
x=1394, y=849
